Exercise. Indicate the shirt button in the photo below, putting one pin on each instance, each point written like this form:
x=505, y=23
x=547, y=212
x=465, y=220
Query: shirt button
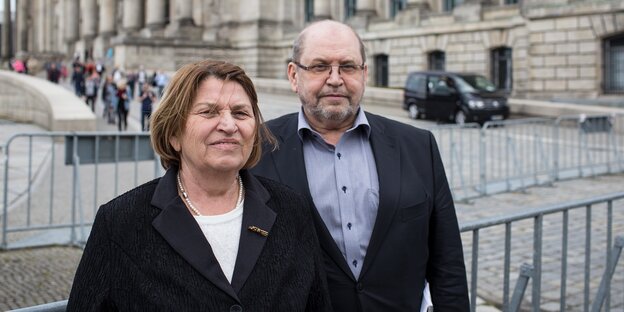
x=359, y=287
x=236, y=308
x=349, y=225
x=355, y=263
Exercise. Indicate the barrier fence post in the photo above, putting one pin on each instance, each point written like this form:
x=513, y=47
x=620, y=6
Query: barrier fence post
x=603, y=289
x=526, y=272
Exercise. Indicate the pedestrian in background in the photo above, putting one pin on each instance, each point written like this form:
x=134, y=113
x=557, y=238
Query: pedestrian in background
x=91, y=88
x=147, y=99
x=109, y=97
x=78, y=81
x=161, y=82
x=123, y=105
x=141, y=77
x=384, y=211
x=53, y=73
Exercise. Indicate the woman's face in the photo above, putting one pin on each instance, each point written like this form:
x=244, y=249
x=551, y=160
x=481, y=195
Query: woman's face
x=220, y=129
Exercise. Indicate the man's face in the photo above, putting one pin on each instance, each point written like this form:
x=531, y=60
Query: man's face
x=329, y=96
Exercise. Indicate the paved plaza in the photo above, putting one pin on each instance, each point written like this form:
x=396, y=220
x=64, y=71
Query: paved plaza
x=31, y=276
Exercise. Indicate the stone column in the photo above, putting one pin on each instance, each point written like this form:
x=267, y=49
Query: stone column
x=108, y=17
x=22, y=24
x=71, y=16
x=183, y=12
x=155, y=14
x=322, y=9
x=88, y=24
x=6, y=31
x=132, y=15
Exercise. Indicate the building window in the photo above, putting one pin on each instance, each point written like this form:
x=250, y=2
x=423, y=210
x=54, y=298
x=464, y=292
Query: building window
x=397, y=6
x=501, y=65
x=437, y=60
x=350, y=7
x=309, y=10
x=511, y=1
x=614, y=64
x=381, y=70
x=167, y=11
x=449, y=5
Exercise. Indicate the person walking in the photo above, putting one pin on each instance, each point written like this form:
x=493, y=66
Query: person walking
x=78, y=80
x=53, y=72
x=123, y=105
x=383, y=208
x=91, y=88
x=147, y=99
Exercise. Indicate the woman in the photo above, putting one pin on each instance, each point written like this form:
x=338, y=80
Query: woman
x=123, y=105
x=207, y=236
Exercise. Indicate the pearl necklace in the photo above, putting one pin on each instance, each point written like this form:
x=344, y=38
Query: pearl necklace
x=192, y=207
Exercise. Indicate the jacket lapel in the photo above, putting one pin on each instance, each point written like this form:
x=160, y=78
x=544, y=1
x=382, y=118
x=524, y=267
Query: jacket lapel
x=256, y=213
x=385, y=148
x=290, y=165
x=181, y=231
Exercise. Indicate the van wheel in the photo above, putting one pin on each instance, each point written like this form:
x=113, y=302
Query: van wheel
x=460, y=117
x=413, y=111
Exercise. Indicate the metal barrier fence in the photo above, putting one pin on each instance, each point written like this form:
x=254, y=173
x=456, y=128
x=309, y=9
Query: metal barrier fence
x=560, y=274
x=512, y=155
x=61, y=179
x=569, y=251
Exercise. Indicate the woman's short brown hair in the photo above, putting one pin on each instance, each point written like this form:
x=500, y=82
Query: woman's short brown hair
x=170, y=117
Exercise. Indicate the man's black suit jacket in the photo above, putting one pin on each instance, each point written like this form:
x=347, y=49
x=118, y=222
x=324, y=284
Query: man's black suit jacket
x=416, y=234
x=147, y=253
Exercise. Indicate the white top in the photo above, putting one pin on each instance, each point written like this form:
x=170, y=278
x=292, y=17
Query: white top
x=223, y=234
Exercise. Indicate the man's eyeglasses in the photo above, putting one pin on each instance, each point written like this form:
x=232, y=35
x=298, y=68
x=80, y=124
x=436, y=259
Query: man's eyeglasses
x=320, y=69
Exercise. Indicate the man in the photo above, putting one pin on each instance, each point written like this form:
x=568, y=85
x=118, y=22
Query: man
x=384, y=212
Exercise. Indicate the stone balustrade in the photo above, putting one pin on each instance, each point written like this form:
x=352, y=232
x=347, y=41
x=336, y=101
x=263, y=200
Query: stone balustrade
x=34, y=100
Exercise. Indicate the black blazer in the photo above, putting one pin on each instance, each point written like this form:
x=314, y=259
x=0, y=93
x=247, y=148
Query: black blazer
x=416, y=235
x=147, y=253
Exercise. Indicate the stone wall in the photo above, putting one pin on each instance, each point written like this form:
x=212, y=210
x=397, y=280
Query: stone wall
x=29, y=99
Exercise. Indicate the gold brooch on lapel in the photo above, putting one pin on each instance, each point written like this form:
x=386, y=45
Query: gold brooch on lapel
x=258, y=230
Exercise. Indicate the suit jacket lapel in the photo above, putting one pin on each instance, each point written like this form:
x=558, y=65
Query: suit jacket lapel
x=385, y=148
x=182, y=232
x=256, y=213
x=290, y=165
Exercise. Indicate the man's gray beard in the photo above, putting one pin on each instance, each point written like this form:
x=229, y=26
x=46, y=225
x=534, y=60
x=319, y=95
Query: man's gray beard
x=343, y=114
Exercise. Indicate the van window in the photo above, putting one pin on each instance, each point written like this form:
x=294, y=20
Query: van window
x=479, y=82
x=416, y=83
x=438, y=86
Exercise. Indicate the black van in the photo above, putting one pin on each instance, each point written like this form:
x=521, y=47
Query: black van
x=453, y=96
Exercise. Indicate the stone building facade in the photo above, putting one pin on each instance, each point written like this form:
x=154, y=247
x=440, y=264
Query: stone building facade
x=534, y=48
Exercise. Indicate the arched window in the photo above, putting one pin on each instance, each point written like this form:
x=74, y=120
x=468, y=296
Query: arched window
x=436, y=60
x=381, y=70
x=501, y=68
x=614, y=64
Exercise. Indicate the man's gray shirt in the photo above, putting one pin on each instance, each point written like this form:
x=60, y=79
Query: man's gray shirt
x=344, y=186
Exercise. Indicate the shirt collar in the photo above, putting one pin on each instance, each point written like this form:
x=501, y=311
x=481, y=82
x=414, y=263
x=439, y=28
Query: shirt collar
x=360, y=122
